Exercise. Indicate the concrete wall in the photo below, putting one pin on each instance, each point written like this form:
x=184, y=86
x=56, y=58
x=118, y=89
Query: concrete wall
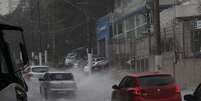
x=188, y=72
x=142, y=47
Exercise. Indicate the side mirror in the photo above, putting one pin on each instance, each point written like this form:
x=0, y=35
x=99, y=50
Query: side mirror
x=115, y=87
x=24, y=54
x=188, y=97
x=41, y=79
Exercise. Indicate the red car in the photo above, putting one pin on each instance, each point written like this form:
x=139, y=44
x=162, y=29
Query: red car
x=147, y=87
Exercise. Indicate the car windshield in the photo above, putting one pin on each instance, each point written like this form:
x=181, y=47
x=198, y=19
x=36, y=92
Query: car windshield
x=1, y=60
x=3, y=66
x=60, y=76
x=160, y=80
x=40, y=69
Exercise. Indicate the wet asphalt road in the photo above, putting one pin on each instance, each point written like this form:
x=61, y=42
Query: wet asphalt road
x=95, y=87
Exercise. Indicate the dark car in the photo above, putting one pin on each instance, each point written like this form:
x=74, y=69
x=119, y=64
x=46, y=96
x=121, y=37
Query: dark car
x=12, y=84
x=196, y=96
x=147, y=87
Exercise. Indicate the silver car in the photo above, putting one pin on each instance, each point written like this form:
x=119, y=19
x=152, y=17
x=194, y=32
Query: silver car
x=35, y=72
x=58, y=83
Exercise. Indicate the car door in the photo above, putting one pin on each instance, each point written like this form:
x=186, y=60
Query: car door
x=126, y=91
x=43, y=84
x=122, y=90
x=117, y=93
x=197, y=93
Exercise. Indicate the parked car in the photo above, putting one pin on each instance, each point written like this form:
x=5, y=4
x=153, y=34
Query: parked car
x=147, y=87
x=69, y=62
x=58, y=83
x=98, y=64
x=35, y=71
x=196, y=96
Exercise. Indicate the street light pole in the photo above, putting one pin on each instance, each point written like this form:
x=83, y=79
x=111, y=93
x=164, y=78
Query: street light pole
x=89, y=51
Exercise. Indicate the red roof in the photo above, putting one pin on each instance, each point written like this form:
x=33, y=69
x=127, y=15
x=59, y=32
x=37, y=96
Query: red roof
x=147, y=74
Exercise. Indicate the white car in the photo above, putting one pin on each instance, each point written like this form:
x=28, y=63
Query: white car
x=68, y=62
x=36, y=71
x=97, y=64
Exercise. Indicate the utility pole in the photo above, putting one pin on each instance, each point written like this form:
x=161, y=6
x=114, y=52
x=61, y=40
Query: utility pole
x=157, y=26
x=174, y=38
x=156, y=15
x=148, y=15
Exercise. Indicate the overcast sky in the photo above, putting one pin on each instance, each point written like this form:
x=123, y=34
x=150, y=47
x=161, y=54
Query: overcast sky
x=4, y=8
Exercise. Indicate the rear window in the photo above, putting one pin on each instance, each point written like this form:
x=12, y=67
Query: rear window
x=160, y=80
x=61, y=76
x=40, y=69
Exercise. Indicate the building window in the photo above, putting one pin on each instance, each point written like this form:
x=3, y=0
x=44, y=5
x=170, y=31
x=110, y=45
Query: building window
x=120, y=27
x=142, y=65
x=138, y=66
x=141, y=31
x=196, y=41
x=131, y=37
x=3, y=66
x=111, y=31
x=169, y=44
x=130, y=23
x=137, y=20
x=146, y=64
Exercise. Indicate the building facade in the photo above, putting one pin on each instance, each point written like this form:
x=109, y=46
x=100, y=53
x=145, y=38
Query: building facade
x=132, y=40
x=180, y=34
x=132, y=37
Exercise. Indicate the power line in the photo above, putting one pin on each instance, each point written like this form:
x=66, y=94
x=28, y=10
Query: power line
x=68, y=28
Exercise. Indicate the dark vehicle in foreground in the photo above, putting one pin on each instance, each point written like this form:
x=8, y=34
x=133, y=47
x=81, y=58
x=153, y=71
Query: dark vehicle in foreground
x=147, y=87
x=58, y=83
x=12, y=84
x=196, y=96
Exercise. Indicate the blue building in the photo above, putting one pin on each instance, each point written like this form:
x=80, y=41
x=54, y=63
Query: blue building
x=103, y=31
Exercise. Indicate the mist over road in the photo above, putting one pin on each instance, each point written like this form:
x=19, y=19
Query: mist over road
x=95, y=87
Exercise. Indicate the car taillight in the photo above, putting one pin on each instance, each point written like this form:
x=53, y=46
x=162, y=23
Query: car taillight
x=177, y=89
x=137, y=91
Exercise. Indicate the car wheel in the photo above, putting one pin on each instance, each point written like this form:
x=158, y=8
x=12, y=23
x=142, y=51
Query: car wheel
x=113, y=98
x=74, y=95
x=46, y=93
x=41, y=90
x=130, y=96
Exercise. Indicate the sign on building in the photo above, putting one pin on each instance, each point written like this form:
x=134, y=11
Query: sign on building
x=197, y=24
